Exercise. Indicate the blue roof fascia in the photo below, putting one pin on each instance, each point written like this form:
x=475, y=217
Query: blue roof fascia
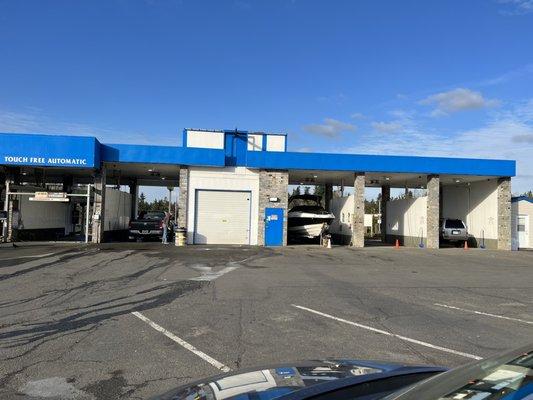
x=380, y=163
x=131, y=153
x=25, y=149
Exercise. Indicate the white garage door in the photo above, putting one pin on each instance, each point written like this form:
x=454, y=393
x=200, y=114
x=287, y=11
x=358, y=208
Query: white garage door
x=222, y=217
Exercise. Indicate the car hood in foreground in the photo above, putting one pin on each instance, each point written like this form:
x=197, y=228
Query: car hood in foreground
x=275, y=381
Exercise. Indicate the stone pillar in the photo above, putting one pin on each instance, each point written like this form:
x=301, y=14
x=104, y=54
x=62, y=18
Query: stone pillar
x=134, y=191
x=99, y=206
x=385, y=197
x=183, y=197
x=433, y=211
x=328, y=195
x=358, y=215
x=272, y=184
x=5, y=224
x=504, y=214
x=10, y=219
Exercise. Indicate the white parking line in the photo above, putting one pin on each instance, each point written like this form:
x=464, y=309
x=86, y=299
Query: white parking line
x=405, y=338
x=183, y=343
x=208, y=275
x=211, y=276
x=484, y=313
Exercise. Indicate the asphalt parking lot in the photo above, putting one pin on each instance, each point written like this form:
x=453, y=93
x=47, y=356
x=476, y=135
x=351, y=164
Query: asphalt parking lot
x=120, y=320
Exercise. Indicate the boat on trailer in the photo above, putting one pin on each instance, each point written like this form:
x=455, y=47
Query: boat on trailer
x=307, y=218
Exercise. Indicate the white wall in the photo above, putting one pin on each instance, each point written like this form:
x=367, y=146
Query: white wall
x=229, y=178
x=117, y=210
x=407, y=217
x=255, y=142
x=203, y=139
x=275, y=142
x=476, y=205
x=43, y=214
x=522, y=207
x=342, y=208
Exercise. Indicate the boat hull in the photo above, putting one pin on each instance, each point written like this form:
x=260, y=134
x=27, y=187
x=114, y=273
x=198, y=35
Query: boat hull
x=308, y=225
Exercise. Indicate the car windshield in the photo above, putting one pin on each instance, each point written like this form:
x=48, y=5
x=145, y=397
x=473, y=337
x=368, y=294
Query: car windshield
x=154, y=215
x=454, y=224
x=505, y=377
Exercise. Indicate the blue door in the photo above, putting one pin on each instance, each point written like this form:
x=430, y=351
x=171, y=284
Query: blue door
x=273, y=226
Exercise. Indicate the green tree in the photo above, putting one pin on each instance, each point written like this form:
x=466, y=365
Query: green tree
x=320, y=191
x=296, y=191
x=372, y=206
x=143, y=206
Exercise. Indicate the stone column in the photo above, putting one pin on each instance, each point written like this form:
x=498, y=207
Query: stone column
x=6, y=224
x=272, y=184
x=183, y=197
x=385, y=197
x=10, y=219
x=99, y=206
x=433, y=211
x=134, y=191
x=328, y=195
x=358, y=215
x=504, y=214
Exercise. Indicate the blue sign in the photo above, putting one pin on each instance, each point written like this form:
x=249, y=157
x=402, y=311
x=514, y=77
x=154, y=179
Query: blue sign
x=49, y=150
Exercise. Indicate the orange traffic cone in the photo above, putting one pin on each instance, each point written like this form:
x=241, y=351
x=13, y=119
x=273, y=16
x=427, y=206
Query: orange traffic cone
x=466, y=245
x=397, y=245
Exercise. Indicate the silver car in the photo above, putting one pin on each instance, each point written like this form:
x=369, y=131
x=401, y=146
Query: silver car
x=453, y=230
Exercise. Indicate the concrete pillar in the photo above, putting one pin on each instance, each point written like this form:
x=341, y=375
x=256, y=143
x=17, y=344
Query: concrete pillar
x=504, y=214
x=328, y=195
x=183, y=197
x=385, y=197
x=433, y=211
x=99, y=206
x=358, y=215
x=134, y=191
x=272, y=184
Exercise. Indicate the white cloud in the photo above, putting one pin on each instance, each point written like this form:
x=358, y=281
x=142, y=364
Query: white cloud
x=455, y=100
x=357, y=115
x=34, y=120
x=509, y=135
x=517, y=7
x=330, y=128
x=509, y=75
x=387, y=127
x=525, y=138
x=333, y=99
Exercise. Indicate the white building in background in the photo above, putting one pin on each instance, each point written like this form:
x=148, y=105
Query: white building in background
x=521, y=223
x=342, y=208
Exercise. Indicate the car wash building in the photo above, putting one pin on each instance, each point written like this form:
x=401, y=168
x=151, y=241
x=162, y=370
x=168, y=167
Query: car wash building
x=233, y=187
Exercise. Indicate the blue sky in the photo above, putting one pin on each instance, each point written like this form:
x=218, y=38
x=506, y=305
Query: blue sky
x=452, y=78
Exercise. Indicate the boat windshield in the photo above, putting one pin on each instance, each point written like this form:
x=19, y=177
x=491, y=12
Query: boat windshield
x=308, y=208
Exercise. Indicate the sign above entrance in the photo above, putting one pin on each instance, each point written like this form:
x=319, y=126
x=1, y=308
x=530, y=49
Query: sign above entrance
x=50, y=196
x=49, y=151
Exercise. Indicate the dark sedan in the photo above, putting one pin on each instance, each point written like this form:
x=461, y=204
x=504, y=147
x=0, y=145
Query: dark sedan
x=506, y=377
